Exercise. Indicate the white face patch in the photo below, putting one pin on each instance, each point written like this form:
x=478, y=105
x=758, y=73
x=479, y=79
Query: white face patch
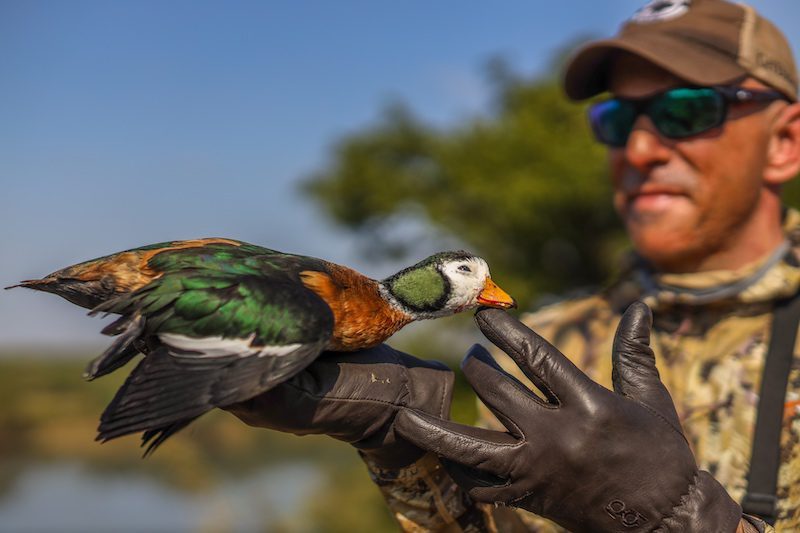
x=221, y=347
x=467, y=279
x=661, y=10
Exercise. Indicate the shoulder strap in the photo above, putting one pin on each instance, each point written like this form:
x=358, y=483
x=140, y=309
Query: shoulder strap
x=760, y=499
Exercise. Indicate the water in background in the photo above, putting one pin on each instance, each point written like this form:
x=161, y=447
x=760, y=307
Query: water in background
x=218, y=475
x=68, y=497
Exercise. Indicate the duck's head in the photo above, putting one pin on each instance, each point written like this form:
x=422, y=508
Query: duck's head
x=444, y=284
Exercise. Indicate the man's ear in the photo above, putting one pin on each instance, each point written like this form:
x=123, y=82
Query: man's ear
x=783, y=156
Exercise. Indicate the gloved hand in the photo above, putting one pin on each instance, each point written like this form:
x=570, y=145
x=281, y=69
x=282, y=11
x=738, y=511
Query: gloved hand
x=587, y=458
x=354, y=397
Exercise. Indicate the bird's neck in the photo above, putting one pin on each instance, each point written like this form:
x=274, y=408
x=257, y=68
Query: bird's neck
x=363, y=317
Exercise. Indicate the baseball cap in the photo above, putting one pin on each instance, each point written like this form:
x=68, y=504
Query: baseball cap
x=705, y=42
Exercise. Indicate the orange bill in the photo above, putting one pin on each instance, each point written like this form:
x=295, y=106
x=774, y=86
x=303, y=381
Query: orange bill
x=494, y=296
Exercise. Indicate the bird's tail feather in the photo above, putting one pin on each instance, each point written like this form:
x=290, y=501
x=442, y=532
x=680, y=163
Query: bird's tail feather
x=85, y=293
x=35, y=284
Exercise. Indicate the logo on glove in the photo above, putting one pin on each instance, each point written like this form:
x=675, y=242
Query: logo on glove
x=629, y=517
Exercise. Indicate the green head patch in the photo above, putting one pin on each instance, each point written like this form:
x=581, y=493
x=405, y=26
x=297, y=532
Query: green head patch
x=422, y=288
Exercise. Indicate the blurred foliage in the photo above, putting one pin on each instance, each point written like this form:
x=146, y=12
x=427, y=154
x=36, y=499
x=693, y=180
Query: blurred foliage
x=791, y=193
x=524, y=186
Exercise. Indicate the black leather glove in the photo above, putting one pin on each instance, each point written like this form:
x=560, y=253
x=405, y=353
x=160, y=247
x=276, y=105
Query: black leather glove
x=354, y=397
x=585, y=457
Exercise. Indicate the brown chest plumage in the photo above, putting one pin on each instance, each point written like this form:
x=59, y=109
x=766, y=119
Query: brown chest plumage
x=362, y=318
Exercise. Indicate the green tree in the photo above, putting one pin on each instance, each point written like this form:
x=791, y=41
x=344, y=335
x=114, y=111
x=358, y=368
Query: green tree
x=524, y=185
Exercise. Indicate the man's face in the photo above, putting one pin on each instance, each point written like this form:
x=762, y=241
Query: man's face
x=685, y=200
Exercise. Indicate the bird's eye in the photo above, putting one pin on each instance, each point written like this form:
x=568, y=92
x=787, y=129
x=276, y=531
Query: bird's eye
x=464, y=268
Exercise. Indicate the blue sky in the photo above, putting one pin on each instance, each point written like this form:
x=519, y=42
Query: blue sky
x=124, y=123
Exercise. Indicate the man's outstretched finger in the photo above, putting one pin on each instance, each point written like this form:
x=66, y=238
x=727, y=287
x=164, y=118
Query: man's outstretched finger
x=544, y=365
x=480, y=485
x=497, y=389
x=474, y=447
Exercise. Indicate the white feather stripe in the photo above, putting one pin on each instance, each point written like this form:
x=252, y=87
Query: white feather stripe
x=221, y=347
x=278, y=351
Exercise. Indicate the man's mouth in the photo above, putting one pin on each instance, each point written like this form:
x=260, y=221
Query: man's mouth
x=654, y=198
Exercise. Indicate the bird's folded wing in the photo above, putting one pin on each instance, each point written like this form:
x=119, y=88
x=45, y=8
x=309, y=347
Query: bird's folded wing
x=219, y=338
x=167, y=390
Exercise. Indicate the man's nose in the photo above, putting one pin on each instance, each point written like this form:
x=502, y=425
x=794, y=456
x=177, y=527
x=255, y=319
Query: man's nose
x=645, y=147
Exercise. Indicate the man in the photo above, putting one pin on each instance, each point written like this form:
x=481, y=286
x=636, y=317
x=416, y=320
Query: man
x=703, y=129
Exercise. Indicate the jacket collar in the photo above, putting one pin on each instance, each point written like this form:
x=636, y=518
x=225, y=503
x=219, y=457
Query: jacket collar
x=772, y=277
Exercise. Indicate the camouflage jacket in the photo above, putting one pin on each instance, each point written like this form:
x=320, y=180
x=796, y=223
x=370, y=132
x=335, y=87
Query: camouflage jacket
x=710, y=335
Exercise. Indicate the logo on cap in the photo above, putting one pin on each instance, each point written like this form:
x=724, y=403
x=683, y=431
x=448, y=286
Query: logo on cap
x=660, y=10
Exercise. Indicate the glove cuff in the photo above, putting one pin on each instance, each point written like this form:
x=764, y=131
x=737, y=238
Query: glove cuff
x=706, y=507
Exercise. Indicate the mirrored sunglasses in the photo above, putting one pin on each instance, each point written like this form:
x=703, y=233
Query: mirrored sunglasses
x=676, y=113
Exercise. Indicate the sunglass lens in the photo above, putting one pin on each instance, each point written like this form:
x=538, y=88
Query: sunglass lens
x=685, y=112
x=612, y=121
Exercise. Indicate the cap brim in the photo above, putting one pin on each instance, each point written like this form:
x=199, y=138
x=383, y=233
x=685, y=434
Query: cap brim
x=587, y=72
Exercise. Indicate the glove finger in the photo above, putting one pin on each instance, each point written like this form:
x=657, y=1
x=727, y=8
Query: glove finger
x=480, y=485
x=470, y=446
x=634, y=371
x=545, y=366
x=502, y=393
